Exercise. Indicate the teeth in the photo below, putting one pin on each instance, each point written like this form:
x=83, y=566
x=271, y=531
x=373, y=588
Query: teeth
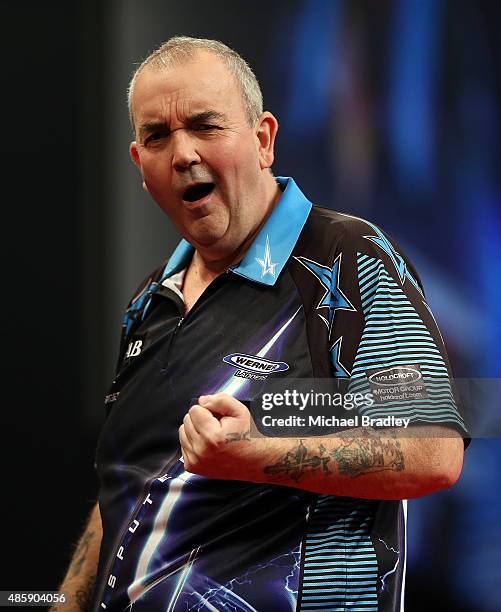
x=196, y=192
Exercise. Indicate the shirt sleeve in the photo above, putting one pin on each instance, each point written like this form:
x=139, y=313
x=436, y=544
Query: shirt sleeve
x=388, y=344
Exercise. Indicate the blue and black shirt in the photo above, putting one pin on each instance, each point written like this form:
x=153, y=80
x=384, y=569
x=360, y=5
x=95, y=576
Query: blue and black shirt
x=326, y=294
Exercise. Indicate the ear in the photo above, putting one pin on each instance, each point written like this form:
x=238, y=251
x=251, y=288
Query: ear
x=134, y=154
x=266, y=131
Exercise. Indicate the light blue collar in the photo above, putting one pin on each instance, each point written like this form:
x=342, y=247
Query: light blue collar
x=273, y=245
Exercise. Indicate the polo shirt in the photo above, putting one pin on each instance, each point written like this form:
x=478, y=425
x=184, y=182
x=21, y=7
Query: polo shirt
x=318, y=295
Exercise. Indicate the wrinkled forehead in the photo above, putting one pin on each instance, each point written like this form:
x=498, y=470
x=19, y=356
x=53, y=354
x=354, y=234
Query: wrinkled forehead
x=202, y=82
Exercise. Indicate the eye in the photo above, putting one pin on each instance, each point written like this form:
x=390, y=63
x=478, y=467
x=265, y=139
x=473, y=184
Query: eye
x=155, y=137
x=152, y=138
x=205, y=127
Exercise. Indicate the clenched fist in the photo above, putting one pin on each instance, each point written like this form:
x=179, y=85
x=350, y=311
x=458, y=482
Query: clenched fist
x=215, y=438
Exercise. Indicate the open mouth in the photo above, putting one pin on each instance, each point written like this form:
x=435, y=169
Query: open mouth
x=197, y=192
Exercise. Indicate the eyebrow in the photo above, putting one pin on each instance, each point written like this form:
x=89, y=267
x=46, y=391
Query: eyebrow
x=210, y=115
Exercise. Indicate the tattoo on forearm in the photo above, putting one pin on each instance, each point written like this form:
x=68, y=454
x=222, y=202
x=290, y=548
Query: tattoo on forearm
x=297, y=462
x=236, y=436
x=354, y=457
x=81, y=552
x=372, y=453
x=83, y=594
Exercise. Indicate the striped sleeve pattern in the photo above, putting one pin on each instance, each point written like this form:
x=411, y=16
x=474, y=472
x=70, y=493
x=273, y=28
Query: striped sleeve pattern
x=395, y=335
x=340, y=570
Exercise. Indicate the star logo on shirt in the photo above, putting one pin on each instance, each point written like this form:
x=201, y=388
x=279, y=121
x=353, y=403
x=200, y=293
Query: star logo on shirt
x=383, y=243
x=339, y=371
x=267, y=267
x=397, y=260
x=334, y=298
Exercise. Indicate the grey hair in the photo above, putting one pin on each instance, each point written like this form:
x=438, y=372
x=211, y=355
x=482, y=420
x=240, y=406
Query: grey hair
x=179, y=49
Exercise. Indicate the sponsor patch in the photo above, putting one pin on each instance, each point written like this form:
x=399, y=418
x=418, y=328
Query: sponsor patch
x=397, y=384
x=134, y=348
x=111, y=397
x=253, y=367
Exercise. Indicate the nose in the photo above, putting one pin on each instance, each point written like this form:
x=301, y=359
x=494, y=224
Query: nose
x=184, y=153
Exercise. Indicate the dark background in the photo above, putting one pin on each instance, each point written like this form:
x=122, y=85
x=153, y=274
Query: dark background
x=388, y=110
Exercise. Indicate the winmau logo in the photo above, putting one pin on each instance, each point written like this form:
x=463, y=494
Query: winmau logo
x=256, y=365
x=396, y=375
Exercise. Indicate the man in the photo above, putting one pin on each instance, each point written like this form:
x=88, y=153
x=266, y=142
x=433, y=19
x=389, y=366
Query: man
x=197, y=512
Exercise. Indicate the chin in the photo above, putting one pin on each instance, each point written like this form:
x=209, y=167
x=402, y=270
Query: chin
x=205, y=241
x=207, y=234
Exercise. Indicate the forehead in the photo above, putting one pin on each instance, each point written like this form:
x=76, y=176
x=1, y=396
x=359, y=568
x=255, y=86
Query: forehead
x=198, y=84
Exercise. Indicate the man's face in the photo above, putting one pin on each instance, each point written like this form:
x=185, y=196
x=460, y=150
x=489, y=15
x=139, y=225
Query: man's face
x=199, y=157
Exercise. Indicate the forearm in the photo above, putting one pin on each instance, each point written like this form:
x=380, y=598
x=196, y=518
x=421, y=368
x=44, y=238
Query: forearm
x=367, y=463
x=79, y=580
x=362, y=462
